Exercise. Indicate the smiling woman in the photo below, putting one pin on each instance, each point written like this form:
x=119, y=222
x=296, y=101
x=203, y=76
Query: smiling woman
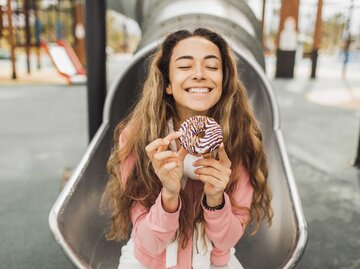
x=181, y=223
x=195, y=74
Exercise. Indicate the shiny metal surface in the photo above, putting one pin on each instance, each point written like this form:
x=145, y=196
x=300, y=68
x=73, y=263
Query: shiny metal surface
x=79, y=228
x=215, y=8
x=235, y=34
x=143, y=10
x=232, y=18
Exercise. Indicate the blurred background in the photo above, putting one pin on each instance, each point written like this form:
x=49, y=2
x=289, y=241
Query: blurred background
x=46, y=114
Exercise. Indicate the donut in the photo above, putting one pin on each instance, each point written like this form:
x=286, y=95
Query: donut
x=200, y=135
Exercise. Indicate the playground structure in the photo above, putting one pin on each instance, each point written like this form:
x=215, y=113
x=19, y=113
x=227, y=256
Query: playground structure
x=74, y=218
x=53, y=28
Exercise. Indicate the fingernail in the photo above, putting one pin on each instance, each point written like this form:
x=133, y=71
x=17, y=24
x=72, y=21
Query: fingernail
x=178, y=133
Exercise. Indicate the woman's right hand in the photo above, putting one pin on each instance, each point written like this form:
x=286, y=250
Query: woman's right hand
x=167, y=164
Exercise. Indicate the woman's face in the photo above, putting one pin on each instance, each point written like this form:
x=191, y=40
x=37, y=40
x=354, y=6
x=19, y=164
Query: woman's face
x=196, y=75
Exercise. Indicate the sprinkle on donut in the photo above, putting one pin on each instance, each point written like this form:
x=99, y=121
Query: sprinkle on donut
x=200, y=135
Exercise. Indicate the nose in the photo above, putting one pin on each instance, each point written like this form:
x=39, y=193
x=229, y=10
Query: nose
x=198, y=72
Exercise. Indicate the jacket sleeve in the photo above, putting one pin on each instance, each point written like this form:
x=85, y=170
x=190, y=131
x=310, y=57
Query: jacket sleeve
x=226, y=226
x=154, y=228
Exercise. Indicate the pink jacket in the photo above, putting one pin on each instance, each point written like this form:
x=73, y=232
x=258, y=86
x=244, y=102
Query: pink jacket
x=154, y=229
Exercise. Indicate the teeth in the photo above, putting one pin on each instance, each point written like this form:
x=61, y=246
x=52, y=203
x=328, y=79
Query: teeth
x=198, y=90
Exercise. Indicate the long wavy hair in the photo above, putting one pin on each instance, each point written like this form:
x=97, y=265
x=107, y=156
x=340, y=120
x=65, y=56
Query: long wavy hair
x=149, y=120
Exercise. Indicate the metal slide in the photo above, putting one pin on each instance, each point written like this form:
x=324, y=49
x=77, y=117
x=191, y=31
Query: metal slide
x=74, y=218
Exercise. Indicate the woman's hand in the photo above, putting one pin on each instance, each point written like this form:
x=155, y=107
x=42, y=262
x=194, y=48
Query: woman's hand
x=216, y=175
x=167, y=164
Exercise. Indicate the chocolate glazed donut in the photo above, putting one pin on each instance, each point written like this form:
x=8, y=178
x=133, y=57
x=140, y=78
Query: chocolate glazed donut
x=200, y=135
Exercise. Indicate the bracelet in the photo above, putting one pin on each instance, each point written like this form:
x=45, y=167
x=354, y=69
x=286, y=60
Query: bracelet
x=212, y=208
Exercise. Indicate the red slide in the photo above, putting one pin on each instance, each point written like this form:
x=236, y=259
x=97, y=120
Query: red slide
x=65, y=61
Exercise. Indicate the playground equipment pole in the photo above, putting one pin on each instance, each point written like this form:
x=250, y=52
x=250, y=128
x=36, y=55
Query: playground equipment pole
x=37, y=31
x=317, y=39
x=79, y=32
x=11, y=38
x=95, y=33
x=27, y=34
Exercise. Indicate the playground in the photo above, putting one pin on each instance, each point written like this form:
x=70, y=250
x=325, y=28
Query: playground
x=32, y=29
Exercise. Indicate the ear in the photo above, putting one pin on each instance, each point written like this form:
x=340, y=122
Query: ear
x=168, y=89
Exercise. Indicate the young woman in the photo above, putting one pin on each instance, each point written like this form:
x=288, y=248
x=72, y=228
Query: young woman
x=178, y=222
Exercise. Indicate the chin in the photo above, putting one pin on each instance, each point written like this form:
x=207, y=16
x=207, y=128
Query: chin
x=203, y=109
x=200, y=112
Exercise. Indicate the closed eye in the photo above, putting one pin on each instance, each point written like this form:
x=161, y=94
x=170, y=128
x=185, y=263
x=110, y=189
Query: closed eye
x=184, y=67
x=212, y=68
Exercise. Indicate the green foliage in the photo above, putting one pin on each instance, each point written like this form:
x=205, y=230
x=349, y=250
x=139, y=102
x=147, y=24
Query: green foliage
x=332, y=30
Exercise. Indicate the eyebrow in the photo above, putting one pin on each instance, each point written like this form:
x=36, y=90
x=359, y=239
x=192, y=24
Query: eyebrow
x=191, y=58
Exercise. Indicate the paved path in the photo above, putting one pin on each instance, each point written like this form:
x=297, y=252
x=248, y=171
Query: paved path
x=321, y=143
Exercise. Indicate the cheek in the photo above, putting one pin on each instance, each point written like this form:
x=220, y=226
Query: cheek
x=219, y=79
x=219, y=83
x=178, y=79
x=219, y=93
x=216, y=76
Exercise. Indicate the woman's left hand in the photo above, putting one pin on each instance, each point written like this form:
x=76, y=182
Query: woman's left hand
x=215, y=174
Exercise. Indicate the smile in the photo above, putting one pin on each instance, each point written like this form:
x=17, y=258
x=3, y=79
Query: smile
x=199, y=90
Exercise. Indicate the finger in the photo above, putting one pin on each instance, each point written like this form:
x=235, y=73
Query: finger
x=214, y=164
x=162, y=155
x=174, y=160
x=153, y=146
x=170, y=137
x=213, y=181
x=223, y=156
x=166, y=168
x=207, y=155
x=209, y=162
x=182, y=153
x=209, y=171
